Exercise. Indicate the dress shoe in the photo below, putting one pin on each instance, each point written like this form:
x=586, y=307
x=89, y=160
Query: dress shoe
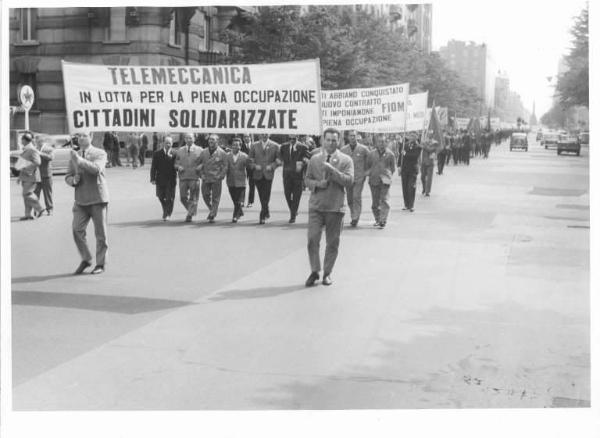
x=405, y=208
x=39, y=213
x=261, y=221
x=234, y=220
x=312, y=278
x=268, y=215
x=49, y=212
x=381, y=225
x=249, y=204
x=354, y=223
x=292, y=220
x=188, y=218
x=376, y=224
x=99, y=269
x=427, y=194
x=82, y=267
x=411, y=209
x=26, y=218
x=327, y=281
x=211, y=219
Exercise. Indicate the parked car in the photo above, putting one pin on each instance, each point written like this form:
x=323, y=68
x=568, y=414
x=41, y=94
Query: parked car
x=62, y=148
x=568, y=143
x=518, y=140
x=549, y=139
x=584, y=138
x=539, y=135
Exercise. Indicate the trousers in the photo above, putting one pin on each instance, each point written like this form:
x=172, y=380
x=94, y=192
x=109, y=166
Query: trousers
x=354, y=198
x=189, y=192
x=332, y=222
x=30, y=199
x=81, y=218
x=237, y=197
x=263, y=186
x=211, y=193
x=409, y=189
x=46, y=187
x=292, y=189
x=166, y=196
x=380, y=194
x=251, y=188
x=427, y=177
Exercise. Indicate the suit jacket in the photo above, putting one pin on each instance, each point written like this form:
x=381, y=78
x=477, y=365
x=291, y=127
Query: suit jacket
x=31, y=172
x=410, y=160
x=162, y=170
x=212, y=167
x=429, y=154
x=188, y=160
x=289, y=160
x=91, y=188
x=237, y=172
x=359, y=158
x=47, y=155
x=264, y=156
x=330, y=198
x=381, y=167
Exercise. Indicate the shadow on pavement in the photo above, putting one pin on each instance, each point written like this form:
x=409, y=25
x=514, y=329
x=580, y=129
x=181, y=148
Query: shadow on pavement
x=98, y=303
x=262, y=292
x=38, y=278
x=220, y=223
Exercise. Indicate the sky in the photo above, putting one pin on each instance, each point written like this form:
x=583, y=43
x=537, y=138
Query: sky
x=526, y=38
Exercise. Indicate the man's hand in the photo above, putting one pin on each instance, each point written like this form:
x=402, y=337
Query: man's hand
x=74, y=155
x=153, y=182
x=328, y=167
x=257, y=167
x=76, y=179
x=268, y=167
x=180, y=168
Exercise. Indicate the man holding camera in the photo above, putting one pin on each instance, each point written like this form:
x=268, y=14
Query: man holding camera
x=86, y=175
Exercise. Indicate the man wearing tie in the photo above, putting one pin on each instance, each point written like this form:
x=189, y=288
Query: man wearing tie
x=264, y=156
x=212, y=168
x=358, y=152
x=186, y=160
x=164, y=176
x=382, y=165
x=245, y=148
x=294, y=156
x=329, y=174
x=237, y=164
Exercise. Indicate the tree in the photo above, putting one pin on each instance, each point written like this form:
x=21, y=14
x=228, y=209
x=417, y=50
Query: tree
x=573, y=85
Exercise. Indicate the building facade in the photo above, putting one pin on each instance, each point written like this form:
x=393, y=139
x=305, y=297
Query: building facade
x=474, y=65
x=40, y=38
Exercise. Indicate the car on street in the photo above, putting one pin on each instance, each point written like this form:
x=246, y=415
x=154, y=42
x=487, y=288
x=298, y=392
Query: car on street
x=518, y=140
x=61, y=144
x=568, y=143
x=584, y=137
x=549, y=139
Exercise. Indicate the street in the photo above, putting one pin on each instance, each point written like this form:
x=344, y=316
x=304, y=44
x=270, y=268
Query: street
x=478, y=299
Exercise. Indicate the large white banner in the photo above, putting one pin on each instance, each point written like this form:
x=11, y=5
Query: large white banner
x=418, y=116
x=380, y=109
x=279, y=98
x=461, y=122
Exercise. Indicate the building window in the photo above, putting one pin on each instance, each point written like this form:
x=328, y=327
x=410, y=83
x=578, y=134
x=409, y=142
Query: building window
x=117, y=30
x=205, y=45
x=27, y=21
x=175, y=29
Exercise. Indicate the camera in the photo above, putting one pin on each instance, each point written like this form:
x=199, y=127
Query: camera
x=75, y=143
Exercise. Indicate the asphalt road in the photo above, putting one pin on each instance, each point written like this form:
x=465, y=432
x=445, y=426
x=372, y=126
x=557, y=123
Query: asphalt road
x=480, y=298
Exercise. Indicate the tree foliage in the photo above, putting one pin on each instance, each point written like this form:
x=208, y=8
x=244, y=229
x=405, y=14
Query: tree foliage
x=356, y=50
x=573, y=85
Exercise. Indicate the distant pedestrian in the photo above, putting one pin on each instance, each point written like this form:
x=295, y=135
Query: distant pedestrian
x=45, y=185
x=143, y=148
x=212, y=167
x=358, y=152
x=237, y=169
x=134, y=149
x=164, y=175
x=329, y=174
x=186, y=160
x=408, y=165
x=116, y=150
x=29, y=176
x=86, y=175
x=107, y=144
x=381, y=164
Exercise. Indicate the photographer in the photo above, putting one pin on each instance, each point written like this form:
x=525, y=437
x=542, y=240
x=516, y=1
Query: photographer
x=86, y=175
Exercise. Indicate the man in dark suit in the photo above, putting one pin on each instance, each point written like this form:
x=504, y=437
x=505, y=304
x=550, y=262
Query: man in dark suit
x=164, y=175
x=264, y=156
x=294, y=156
x=329, y=174
x=408, y=168
x=237, y=169
x=245, y=148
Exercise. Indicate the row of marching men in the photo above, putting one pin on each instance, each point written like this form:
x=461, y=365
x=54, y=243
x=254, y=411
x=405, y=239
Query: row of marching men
x=201, y=171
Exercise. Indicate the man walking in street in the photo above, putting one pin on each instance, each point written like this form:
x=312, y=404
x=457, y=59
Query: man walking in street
x=143, y=148
x=329, y=174
x=294, y=156
x=428, y=163
x=245, y=148
x=45, y=185
x=358, y=152
x=408, y=164
x=186, y=160
x=86, y=174
x=212, y=167
x=116, y=151
x=164, y=175
x=264, y=155
x=29, y=176
x=381, y=163
x=237, y=169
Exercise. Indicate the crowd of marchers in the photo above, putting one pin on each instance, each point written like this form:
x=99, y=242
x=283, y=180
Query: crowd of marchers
x=333, y=169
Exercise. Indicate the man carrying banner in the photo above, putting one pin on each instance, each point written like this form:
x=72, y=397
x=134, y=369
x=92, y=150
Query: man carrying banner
x=186, y=160
x=358, y=152
x=164, y=176
x=212, y=167
x=86, y=175
x=408, y=164
x=264, y=155
x=237, y=168
x=381, y=164
x=294, y=156
x=329, y=173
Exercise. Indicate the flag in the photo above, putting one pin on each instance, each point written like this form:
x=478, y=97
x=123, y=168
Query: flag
x=435, y=127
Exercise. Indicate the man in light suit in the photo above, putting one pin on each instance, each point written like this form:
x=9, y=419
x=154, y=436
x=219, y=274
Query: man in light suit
x=45, y=186
x=212, y=168
x=237, y=165
x=358, y=152
x=29, y=177
x=329, y=174
x=164, y=176
x=264, y=156
x=294, y=156
x=186, y=160
x=382, y=165
x=86, y=174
